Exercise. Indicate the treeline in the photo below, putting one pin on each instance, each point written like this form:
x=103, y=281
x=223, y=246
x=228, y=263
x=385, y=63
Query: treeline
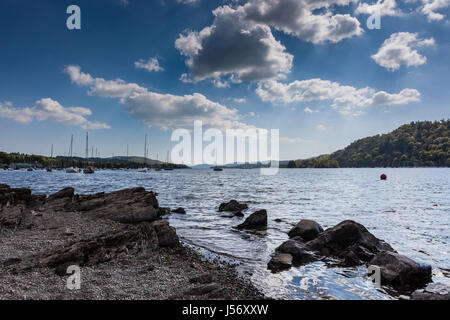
x=8, y=159
x=418, y=144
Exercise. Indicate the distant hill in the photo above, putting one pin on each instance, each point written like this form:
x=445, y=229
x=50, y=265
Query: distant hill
x=418, y=144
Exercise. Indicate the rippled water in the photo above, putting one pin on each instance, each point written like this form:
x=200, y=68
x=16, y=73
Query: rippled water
x=411, y=211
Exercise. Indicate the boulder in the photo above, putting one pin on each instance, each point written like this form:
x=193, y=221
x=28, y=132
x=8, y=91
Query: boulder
x=348, y=239
x=257, y=220
x=232, y=206
x=298, y=250
x=433, y=291
x=280, y=261
x=12, y=196
x=307, y=229
x=401, y=271
x=167, y=235
x=179, y=210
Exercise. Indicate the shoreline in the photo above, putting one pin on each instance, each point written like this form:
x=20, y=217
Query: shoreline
x=130, y=253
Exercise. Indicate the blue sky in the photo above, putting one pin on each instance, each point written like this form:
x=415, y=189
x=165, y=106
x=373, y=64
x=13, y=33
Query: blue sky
x=309, y=68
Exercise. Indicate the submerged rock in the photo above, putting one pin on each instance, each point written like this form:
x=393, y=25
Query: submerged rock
x=434, y=291
x=257, y=220
x=307, y=229
x=232, y=206
x=179, y=210
x=401, y=271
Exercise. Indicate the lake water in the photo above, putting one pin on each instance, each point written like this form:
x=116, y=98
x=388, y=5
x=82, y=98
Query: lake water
x=411, y=211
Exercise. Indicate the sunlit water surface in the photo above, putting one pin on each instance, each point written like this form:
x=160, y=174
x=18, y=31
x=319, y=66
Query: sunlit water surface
x=411, y=211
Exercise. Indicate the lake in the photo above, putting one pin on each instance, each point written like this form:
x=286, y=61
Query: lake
x=411, y=211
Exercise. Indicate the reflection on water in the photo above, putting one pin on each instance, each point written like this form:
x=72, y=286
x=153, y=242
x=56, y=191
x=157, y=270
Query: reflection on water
x=411, y=211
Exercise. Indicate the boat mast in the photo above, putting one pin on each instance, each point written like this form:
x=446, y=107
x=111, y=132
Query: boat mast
x=145, y=152
x=87, y=145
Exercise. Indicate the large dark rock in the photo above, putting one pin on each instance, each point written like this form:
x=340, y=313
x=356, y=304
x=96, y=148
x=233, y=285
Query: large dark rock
x=434, y=291
x=179, y=211
x=13, y=196
x=232, y=206
x=300, y=253
x=348, y=238
x=307, y=229
x=257, y=220
x=167, y=235
x=401, y=271
x=280, y=261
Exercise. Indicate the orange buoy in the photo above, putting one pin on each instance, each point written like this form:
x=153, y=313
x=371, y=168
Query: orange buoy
x=383, y=177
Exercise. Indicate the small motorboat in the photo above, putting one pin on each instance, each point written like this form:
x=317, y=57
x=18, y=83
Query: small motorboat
x=143, y=170
x=30, y=169
x=89, y=170
x=72, y=170
x=217, y=169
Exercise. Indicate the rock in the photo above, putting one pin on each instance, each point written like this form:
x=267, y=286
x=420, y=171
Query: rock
x=239, y=214
x=95, y=250
x=12, y=216
x=167, y=235
x=280, y=261
x=164, y=211
x=204, y=278
x=278, y=220
x=401, y=271
x=179, y=210
x=232, y=206
x=64, y=193
x=298, y=251
x=434, y=291
x=202, y=289
x=345, y=238
x=12, y=196
x=307, y=229
x=257, y=220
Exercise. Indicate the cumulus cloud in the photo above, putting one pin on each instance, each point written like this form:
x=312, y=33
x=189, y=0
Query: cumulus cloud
x=312, y=21
x=293, y=140
x=235, y=48
x=385, y=7
x=430, y=8
x=399, y=49
x=151, y=65
x=49, y=109
x=161, y=110
x=100, y=87
x=346, y=99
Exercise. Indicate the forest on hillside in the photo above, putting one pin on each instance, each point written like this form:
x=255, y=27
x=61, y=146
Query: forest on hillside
x=418, y=144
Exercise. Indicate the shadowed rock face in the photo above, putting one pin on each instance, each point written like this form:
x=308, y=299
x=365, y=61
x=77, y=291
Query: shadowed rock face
x=434, y=291
x=398, y=270
x=257, y=220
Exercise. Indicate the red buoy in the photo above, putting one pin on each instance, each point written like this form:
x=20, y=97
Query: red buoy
x=383, y=177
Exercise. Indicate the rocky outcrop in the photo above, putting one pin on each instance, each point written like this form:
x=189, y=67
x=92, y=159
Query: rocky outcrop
x=257, y=220
x=434, y=291
x=167, y=235
x=12, y=196
x=96, y=250
x=232, y=206
x=179, y=211
x=307, y=229
x=352, y=245
x=64, y=193
x=348, y=239
x=400, y=271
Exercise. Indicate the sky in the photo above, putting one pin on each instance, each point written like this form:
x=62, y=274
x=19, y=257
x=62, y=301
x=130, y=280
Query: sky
x=315, y=70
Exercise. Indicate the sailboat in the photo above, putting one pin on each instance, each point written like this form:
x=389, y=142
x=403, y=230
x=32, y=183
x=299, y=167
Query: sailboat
x=72, y=169
x=168, y=168
x=89, y=169
x=50, y=168
x=145, y=169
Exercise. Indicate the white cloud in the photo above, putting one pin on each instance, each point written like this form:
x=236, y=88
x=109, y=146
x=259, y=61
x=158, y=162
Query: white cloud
x=233, y=47
x=240, y=100
x=431, y=6
x=150, y=65
x=386, y=8
x=48, y=109
x=321, y=127
x=346, y=99
x=100, y=87
x=292, y=140
x=312, y=21
x=161, y=110
x=399, y=49
x=308, y=110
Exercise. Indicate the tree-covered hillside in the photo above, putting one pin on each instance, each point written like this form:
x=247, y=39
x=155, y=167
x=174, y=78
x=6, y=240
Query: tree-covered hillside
x=417, y=144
